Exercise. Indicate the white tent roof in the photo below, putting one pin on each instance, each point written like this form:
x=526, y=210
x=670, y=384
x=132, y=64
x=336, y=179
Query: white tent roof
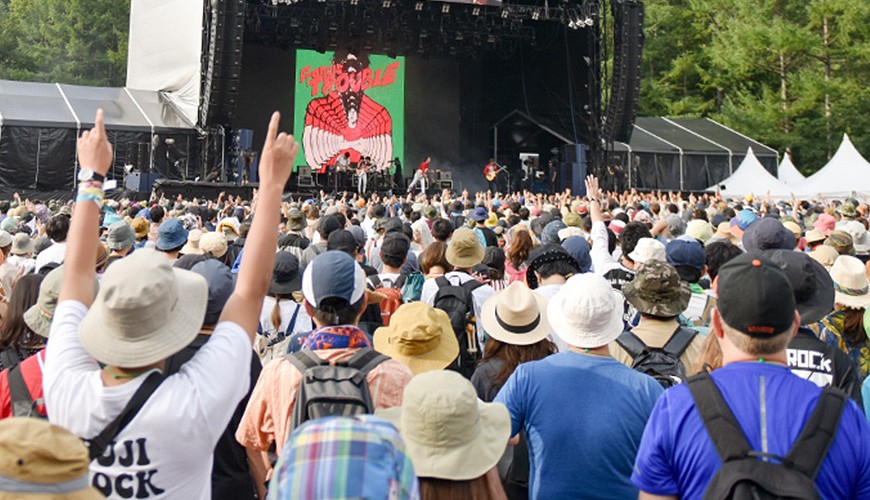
x=788, y=173
x=847, y=174
x=752, y=178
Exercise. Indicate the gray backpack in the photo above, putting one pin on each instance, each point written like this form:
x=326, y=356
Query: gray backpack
x=333, y=390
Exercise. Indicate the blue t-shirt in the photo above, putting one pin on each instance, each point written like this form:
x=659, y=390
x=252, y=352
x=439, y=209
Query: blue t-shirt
x=677, y=457
x=583, y=417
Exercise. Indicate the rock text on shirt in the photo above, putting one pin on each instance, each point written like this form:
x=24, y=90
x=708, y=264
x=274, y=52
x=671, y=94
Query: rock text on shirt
x=127, y=485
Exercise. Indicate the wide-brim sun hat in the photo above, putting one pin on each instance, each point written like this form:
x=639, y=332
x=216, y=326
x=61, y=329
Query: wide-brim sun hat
x=286, y=277
x=516, y=315
x=586, y=312
x=420, y=337
x=145, y=311
x=811, y=282
x=449, y=433
x=39, y=316
x=851, y=287
x=464, y=250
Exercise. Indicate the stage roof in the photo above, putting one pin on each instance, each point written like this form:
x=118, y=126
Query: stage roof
x=691, y=135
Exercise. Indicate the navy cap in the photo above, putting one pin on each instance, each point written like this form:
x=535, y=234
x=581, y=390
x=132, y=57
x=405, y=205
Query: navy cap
x=768, y=234
x=479, y=214
x=220, y=287
x=172, y=235
x=333, y=275
x=685, y=253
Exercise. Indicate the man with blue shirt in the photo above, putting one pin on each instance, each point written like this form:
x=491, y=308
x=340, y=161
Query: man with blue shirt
x=754, y=321
x=582, y=412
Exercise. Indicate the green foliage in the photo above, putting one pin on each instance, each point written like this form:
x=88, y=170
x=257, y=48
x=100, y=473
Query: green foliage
x=764, y=67
x=68, y=41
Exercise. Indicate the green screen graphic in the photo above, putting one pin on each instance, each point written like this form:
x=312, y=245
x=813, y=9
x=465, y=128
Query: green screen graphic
x=349, y=103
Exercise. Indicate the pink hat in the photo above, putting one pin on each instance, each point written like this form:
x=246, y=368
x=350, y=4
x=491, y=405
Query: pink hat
x=617, y=226
x=825, y=223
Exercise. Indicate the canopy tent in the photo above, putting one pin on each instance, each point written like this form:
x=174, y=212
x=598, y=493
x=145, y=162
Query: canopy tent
x=847, y=174
x=686, y=153
x=39, y=123
x=788, y=173
x=752, y=178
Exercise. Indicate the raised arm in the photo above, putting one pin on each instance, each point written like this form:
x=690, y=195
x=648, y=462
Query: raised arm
x=276, y=163
x=95, y=153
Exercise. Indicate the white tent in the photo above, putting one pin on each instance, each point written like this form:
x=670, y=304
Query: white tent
x=788, y=173
x=847, y=174
x=752, y=178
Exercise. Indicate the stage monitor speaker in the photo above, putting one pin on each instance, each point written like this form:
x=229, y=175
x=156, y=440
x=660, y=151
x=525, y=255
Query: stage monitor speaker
x=573, y=171
x=446, y=184
x=303, y=171
x=305, y=181
x=141, y=182
x=446, y=176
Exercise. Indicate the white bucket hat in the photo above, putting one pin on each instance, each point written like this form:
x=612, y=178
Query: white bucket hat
x=648, y=249
x=851, y=287
x=516, y=315
x=448, y=432
x=146, y=311
x=586, y=311
x=860, y=237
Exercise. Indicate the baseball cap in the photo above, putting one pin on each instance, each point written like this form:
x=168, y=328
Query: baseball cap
x=396, y=245
x=328, y=224
x=342, y=240
x=755, y=296
x=685, y=253
x=220, y=287
x=338, y=276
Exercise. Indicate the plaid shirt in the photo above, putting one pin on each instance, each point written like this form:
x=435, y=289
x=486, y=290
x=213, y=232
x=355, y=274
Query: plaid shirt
x=341, y=457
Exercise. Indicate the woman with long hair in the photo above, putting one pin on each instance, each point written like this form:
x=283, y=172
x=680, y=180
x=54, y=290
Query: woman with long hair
x=281, y=316
x=433, y=260
x=518, y=249
x=844, y=328
x=17, y=340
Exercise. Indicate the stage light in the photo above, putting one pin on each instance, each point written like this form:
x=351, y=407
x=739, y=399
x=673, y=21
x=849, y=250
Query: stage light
x=445, y=9
x=572, y=24
x=536, y=14
x=475, y=11
x=419, y=6
x=354, y=2
x=505, y=14
x=387, y=4
x=589, y=21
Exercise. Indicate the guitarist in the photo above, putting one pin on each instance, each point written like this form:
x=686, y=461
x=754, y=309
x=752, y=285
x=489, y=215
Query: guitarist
x=490, y=171
x=420, y=176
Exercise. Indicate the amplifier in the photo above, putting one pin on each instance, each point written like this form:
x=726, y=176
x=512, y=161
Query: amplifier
x=303, y=171
x=305, y=181
x=446, y=176
x=446, y=184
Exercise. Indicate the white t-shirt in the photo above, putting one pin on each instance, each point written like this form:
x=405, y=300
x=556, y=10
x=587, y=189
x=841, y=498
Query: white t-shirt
x=166, y=451
x=548, y=292
x=52, y=254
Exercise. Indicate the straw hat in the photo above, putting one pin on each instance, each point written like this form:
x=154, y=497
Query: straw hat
x=42, y=461
x=419, y=336
x=851, y=287
x=449, y=433
x=192, y=245
x=516, y=315
x=825, y=255
x=214, y=243
x=586, y=312
x=464, y=250
x=145, y=311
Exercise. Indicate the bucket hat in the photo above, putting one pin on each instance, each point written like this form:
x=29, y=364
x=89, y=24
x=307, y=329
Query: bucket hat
x=120, y=236
x=171, y=235
x=295, y=220
x=464, y=249
x=213, y=243
x=38, y=317
x=811, y=282
x=851, y=287
x=516, y=315
x=825, y=255
x=825, y=223
x=841, y=242
x=42, y=461
x=192, y=245
x=141, y=227
x=448, y=432
x=768, y=234
x=220, y=287
x=586, y=312
x=657, y=290
x=419, y=336
x=814, y=236
x=344, y=457
x=22, y=244
x=860, y=238
x=491, y=220
x=285, y=274
x=479, y=214
x=648, y=249
x=5, y=239
x=145, y=311
x=699, y=229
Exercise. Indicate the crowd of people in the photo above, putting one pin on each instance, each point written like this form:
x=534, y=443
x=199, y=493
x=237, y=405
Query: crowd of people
x=455, y=346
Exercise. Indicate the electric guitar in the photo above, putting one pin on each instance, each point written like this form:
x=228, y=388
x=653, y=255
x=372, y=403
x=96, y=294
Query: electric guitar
x=491, y=176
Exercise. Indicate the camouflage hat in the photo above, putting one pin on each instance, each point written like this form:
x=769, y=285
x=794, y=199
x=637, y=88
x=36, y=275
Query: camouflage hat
x=657, y=290
x=572, y=219
x=841, y=241
x=847, y=210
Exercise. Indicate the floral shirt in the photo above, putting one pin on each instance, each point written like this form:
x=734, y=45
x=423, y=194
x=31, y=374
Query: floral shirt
x=832, y=332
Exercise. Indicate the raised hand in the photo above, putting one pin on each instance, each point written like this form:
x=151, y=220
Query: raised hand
x=279, y=153
x=94, y=150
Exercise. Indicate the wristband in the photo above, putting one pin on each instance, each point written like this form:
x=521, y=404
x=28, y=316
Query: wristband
x=91, y=184
x=94, y=194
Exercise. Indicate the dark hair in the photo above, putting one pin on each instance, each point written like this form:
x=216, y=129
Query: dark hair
x=15, y=332
x=612, y=240
x=511, y=356
x=4, y=207
x=173, y=250
x=717, y=254
x=622, y=216
x=513, y=220
x=559, y=267
x=523, y=213
x=434, y=255
x=336, y=311
x=631, y=234
x=378, y=211
x=444, y=489
x=57, y=227
x=700, y=213
x=442, y=229
x=519, y=248
x=689, y=274
x=157, y=213
x=729, y=213
x=853, y=327
x=672, y=208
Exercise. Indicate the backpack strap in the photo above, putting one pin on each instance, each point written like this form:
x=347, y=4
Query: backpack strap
x=365, y=360
x=812, y=445
x=632, y=344
x=679, y=341
x=98, y=444
x=18, y=391
x=441, y=281
x=292, y=324
x=375, y=281
x=9, y=358
x=722, y=427
x=400, y=281
x=303, y=359
x=472, y=285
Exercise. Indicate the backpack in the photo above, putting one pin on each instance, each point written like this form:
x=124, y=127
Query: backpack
x=393, y=292
x=456, y=301
x=23, y=404
x=662, y=364
x=9, y=358
x=743, y=475
x=333, y=390
x=413, y=289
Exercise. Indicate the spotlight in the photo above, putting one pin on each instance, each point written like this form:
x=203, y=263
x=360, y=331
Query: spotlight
x=572, y=24
x=354, y=2
x=445, y=9
x=387, y=4
x=475, y=11
x=419, y=6
x=536, y=14
x=589, y=21
x=505, y=14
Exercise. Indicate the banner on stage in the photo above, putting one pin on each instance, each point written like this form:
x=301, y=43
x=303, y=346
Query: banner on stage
x=349, y=104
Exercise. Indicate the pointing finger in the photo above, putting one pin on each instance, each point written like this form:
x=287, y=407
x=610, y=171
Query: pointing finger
x=273, y=128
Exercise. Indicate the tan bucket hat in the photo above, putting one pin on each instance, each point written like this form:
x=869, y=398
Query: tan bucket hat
x=448, y=432
x=464, y=250
x=419, y=336
x=146, y=311
x=851, y=287
x=516, y=315
x=38, y=317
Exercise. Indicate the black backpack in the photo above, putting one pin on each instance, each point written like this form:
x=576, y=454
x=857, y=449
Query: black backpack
x=456, y=301
x=23, y=404
x=333, y=390
x=743, y=475
x=662, y=364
